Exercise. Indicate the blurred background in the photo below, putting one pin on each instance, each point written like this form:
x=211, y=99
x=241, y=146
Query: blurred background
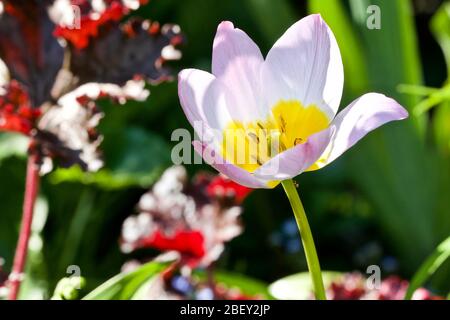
x=385, y=202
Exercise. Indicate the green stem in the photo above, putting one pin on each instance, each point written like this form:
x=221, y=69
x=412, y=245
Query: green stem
x=307, y=239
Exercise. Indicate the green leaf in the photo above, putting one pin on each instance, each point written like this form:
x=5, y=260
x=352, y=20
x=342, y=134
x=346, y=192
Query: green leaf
x=352, y=51
x=392, y=51
x=442, y=127
x=384, y=164
x=12, y=175
x=440, y=26
x=420, y=91
x=125, y=286
x=299, y=286
x=35, y=285
x=393, y=167
x=246, y=285
x=134, y=157
x=13, y=144
x=438, y=97
x=429, y=267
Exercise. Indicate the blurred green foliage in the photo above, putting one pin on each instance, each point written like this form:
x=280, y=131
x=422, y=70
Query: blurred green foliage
x=429, y=267
x=130, y=285
x=387, y=197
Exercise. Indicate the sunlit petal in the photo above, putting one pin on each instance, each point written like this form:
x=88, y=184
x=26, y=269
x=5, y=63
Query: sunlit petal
x=305, y=65
x=236, y=61
x=202, y=100
x=362, y=116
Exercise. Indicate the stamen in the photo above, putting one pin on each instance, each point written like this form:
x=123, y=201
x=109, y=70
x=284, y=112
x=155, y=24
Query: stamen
x=253, y=136
x=260, y=125
x=263, y=129
x=282, y=124
x=298, y=141
x=254, y=143
x=257, y=160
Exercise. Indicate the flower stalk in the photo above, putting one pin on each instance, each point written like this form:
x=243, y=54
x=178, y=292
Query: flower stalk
x=307, y=239
x=31, y=190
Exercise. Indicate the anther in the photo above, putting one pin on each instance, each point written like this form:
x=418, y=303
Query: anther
x=253, y=136
x=298, y=141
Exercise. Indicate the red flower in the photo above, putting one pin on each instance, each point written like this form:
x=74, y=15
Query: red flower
x=222, y=187
x=190, y=243
x=177, y=216
x=16, y=113
x=91, y=25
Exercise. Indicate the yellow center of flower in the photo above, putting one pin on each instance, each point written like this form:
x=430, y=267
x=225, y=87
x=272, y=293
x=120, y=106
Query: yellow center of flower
x=250, y=145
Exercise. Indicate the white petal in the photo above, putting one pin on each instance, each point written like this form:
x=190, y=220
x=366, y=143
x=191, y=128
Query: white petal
x=4, y=77
x=237, y=62
x=305, y=64
x=362, y=116
x=294, y=161
x=203, y=101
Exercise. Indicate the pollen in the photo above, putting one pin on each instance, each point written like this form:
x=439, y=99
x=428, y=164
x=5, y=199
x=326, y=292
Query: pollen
x=249, y=145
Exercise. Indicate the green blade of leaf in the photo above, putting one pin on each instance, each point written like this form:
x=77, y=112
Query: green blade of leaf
x=420, y=91
x=385, y=163
x=442, y=127
x=392, y=51
x=35, y=286
x=440, y=26
x=124, y=285
x=246, y=285
x=429, y=267
x=434, y=99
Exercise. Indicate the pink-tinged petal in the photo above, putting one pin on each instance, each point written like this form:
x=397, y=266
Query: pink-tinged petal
x=202, y=99
x=4, y=76
x=305, y=64
x=362, y=116
x=193, y=86
x=237, y=61
x=294, y=161
x=233, y=172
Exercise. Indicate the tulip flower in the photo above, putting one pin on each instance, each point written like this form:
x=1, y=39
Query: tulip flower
x=262, y=122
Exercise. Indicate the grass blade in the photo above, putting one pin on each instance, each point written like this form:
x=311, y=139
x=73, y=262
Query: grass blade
x=429, y=267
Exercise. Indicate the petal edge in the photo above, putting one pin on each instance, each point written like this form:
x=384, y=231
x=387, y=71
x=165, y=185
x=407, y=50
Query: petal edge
x=362, y=116
x=233, y=172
